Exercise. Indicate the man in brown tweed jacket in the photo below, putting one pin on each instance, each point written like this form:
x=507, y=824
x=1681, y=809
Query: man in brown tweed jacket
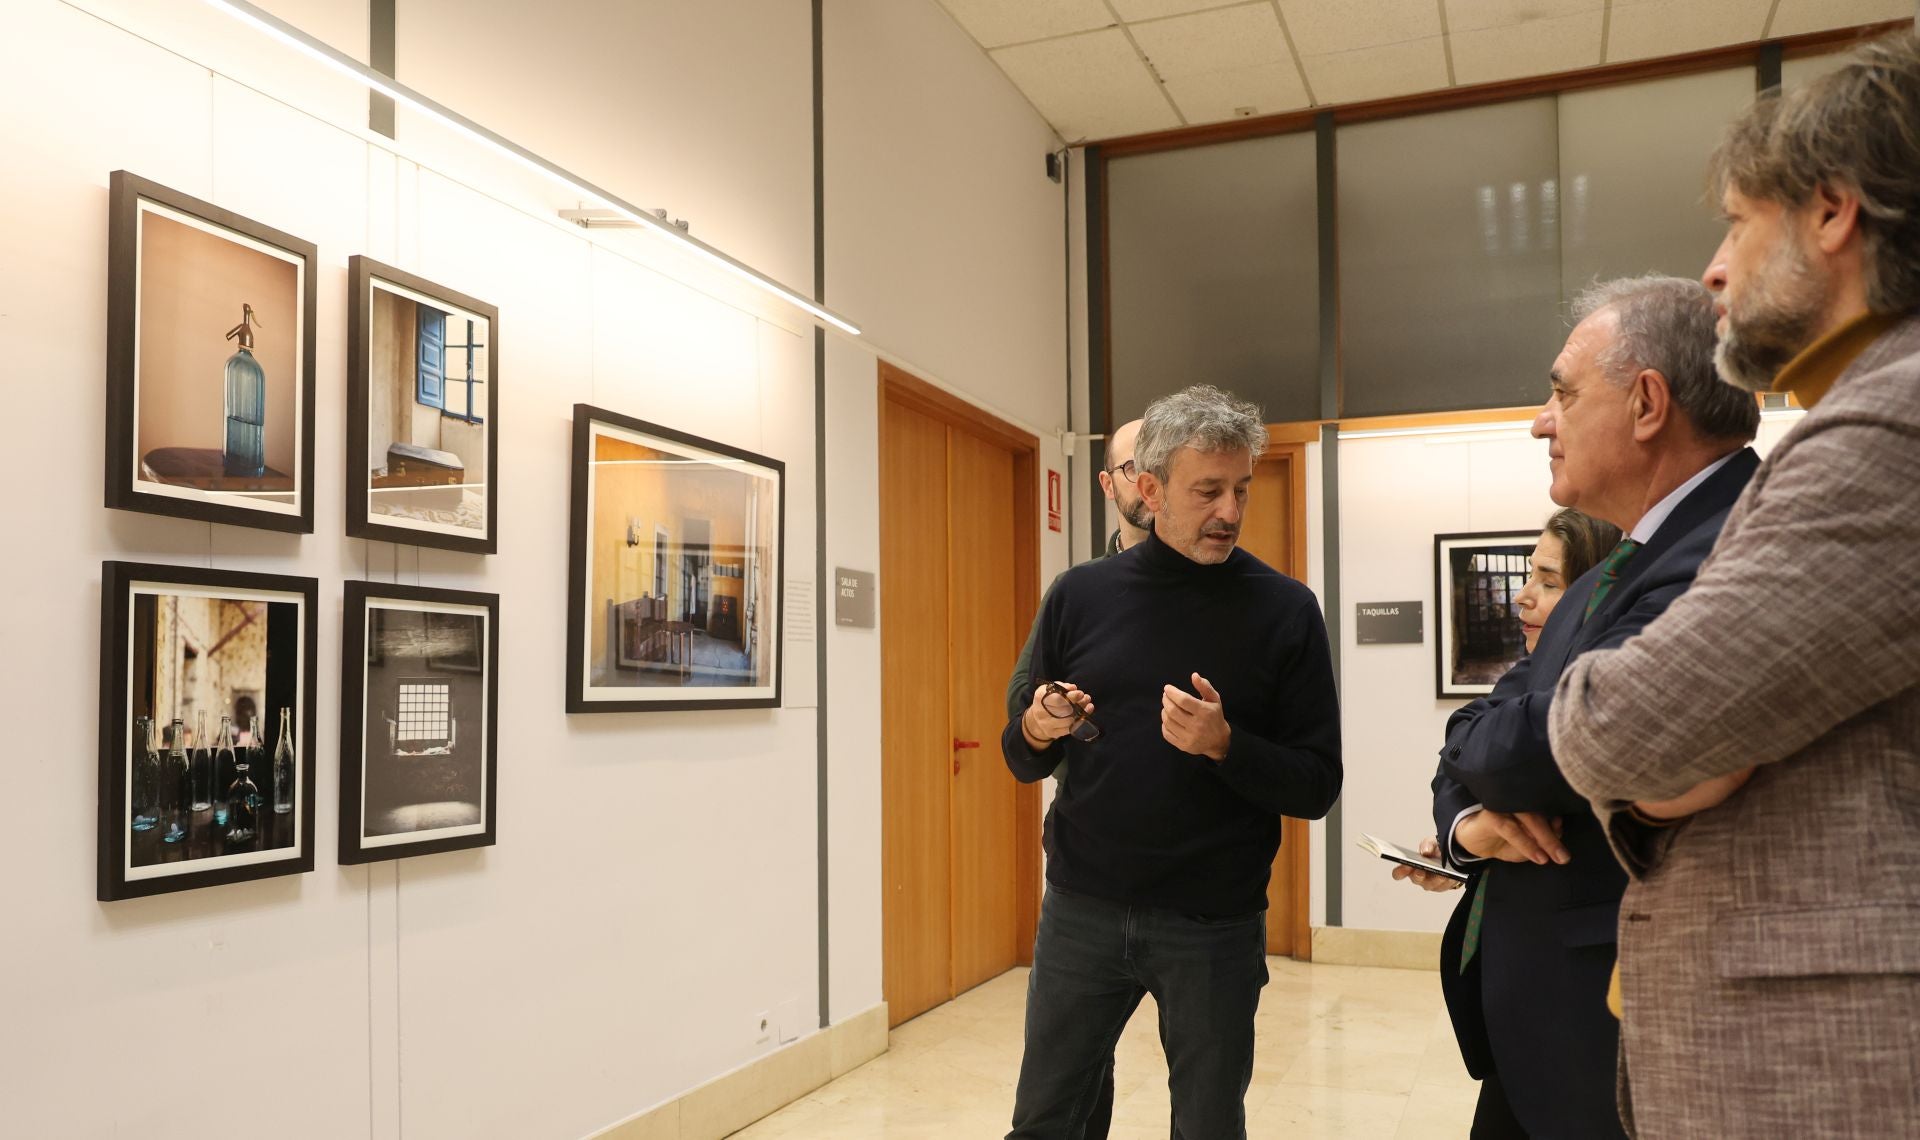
x=1755, y=753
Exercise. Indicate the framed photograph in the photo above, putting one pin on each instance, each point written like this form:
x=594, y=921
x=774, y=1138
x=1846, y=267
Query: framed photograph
x=210, y=354
x=423, y=411
x=206, y=727
x=674, y=570
x=419, y=688
x=1476, y=579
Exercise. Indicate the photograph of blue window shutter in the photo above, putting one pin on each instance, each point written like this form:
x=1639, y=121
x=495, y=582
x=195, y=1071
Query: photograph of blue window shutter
x=433, y=356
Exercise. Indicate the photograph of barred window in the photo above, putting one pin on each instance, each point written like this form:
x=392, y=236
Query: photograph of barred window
x=417, y=721
x=1476, y=579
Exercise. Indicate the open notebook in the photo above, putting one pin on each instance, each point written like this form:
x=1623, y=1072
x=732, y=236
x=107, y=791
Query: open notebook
x=1394, y=853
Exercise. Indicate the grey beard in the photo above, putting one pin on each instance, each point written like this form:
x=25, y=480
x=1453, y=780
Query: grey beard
x=1138, y=516
x=1747, y=365
x=1782, y=322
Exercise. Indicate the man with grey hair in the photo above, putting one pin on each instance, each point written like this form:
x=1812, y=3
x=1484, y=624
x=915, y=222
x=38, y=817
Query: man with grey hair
x=1753, y=755
x=1643, y=435
x=1216, y=715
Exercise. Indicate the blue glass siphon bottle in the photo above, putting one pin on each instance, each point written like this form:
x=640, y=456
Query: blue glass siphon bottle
x=246, y=452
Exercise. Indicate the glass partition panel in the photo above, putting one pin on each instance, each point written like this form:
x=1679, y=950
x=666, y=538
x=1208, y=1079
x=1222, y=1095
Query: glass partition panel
x=1449, y=229
x=1213, y=266
x=1633, y=168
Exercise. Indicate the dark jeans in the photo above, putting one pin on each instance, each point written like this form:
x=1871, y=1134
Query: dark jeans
x=1092, y=963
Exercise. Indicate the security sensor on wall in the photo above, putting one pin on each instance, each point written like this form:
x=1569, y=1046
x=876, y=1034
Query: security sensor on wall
x=1054, y=164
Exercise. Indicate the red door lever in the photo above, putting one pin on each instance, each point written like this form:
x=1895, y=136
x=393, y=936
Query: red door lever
x=959, y=743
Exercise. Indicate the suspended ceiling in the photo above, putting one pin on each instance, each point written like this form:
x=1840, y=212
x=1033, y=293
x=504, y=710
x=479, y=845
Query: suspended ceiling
x=1099, y=69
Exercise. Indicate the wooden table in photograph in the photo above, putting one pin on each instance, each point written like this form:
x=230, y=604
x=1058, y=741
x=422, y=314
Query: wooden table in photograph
x=204, y=469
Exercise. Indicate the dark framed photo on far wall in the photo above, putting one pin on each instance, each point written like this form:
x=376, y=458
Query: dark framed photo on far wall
x=210, y=360
x=206, y=727
x=419, y=700
x=1477, y=579
x=674, y=570
x=423, y=411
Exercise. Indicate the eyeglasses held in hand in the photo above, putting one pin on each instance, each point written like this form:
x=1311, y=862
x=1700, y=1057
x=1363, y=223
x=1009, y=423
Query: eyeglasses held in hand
x=1056, y=702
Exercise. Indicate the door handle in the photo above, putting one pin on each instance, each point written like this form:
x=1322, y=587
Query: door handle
x=959, y=743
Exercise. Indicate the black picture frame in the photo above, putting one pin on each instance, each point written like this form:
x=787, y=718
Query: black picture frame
x=432, y=488
x=134, y=861
x=661, y=635
x=159, y=424
x=383, y=646
x=1477, y=634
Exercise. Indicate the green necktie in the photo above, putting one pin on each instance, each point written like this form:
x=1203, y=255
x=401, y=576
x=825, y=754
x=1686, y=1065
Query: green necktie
x=1476, y=910
x=1610, y=574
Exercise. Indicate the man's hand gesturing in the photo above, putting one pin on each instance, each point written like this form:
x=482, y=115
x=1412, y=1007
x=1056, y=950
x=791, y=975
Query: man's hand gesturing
x=1195, y=724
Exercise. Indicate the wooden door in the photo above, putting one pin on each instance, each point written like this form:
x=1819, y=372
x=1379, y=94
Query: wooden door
x=980, y=581
x=959, y=581
x=1275, y=531
x=914, y=741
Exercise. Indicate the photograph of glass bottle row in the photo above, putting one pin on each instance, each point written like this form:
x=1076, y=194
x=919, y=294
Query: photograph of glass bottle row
x=214, y=771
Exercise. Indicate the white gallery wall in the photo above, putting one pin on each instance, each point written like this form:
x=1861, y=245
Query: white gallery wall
x=1396, y=493
x=654, y=888
x=944, y=236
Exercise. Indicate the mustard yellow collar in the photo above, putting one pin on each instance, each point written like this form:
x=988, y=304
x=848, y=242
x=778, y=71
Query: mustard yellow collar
x=1810, y=375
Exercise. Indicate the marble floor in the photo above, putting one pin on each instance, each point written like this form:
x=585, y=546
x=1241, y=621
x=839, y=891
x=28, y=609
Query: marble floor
x=1343, y=1051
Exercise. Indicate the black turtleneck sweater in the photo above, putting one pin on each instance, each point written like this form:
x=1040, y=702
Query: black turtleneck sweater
x=1138, y=821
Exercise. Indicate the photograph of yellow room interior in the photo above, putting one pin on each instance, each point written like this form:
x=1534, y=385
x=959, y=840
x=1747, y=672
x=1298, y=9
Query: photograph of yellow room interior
x=677, y=570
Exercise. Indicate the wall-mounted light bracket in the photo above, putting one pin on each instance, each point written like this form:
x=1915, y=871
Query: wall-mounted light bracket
x=614, y=220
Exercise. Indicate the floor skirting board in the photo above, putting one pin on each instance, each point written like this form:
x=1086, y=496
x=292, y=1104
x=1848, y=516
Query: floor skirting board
x=734, y=1100
x=1399, y=949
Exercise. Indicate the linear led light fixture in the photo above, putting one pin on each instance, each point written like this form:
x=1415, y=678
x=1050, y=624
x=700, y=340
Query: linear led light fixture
x=359, y=72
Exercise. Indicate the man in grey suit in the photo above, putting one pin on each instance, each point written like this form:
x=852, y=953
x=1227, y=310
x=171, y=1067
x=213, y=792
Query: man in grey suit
x=1755, y=754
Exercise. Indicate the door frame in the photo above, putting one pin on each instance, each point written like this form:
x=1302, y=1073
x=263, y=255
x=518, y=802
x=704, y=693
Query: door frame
x=1296, y=835
x=902, y=388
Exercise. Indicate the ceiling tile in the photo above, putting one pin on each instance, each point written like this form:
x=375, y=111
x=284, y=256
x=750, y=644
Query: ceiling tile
x=997, y=23
x=1323, y=27
x=1477, y=15
x=1377, y=73
x=1090, y=86
x=1131, y=10
x=1226, y=40
x=1643, y=29
x=1268, y=89
x=1513, y=51
x=1793, y=17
